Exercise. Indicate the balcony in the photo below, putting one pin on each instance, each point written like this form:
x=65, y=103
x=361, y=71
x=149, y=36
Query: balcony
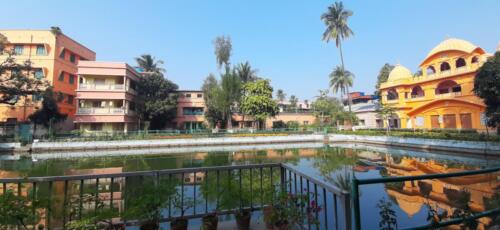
x=104, y=111
x=101, y=86
x=449, y=95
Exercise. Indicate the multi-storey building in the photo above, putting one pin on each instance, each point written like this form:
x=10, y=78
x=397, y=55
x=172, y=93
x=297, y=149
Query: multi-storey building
x=365, y=107
x=54, y=57
x=190, y=110
x=106, y=97
x=441, y=95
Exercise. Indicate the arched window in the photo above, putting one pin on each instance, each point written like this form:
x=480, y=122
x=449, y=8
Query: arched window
x=417, y=92
x=431, y=70
x=448, y=86
x=445, y=66
x=392, y=95
x=460, y=63
x=474, y=60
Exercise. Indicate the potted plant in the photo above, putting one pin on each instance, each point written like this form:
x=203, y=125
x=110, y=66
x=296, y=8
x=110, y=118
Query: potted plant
x=210, y=221
x=181, y=204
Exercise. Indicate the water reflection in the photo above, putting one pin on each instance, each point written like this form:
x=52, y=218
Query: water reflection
x=412, y=201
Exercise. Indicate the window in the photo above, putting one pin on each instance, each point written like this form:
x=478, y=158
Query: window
x=95, y=126
x=417, y=92
x=474, y=60
x=63, y=54
x=199, y=95
x=40, y=50
x=448, y=86
x=460, y=63
x=61, y=76
x=70, y=99
x=362, y=122
x=71, y=79
x=188, y=95
x=192, y=111
x=60, y=97
x=430, y=70
x=392, y=95
x=39, y=74
x=72, y=58
x=445, y=66
x=306, y=122
x=99, y=81
x=18, y=49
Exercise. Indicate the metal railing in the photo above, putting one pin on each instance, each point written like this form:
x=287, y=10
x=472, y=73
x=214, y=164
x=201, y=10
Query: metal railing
x=101, y=86
x=358, y=182
x=189, y=192
x=105, y=110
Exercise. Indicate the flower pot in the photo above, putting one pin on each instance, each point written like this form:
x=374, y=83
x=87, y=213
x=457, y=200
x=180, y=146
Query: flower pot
x=280, y=225
x=149, y=225
x=267, y=212
x=179, y=224
x=243, y=220
x=210, y=221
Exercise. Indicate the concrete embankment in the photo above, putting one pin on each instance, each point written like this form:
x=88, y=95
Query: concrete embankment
x=129, y=144
x=469, y=147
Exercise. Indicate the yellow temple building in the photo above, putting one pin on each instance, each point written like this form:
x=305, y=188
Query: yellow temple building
x=441, y=95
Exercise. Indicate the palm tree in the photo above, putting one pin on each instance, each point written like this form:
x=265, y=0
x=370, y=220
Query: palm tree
x=245, y=72
x=149, y=63
x=293, y=102
x=223, y=48
x=280, y=95
x=340, y=81
x=337, y=29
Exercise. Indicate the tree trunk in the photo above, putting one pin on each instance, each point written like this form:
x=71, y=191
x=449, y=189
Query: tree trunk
x=229, y=121
x=343, y=69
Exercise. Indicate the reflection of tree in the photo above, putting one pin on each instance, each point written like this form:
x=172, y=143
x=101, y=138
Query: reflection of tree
x=388, y=217
x=329, y=160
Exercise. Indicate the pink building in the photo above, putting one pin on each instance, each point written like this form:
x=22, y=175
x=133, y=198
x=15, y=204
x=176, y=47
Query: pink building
x=190, y=110
x=106, y=97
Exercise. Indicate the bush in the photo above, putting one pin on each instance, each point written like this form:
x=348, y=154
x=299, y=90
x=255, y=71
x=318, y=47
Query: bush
x=292, y=125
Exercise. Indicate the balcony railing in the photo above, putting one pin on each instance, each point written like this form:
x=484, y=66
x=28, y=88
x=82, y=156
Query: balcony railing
x=101, y=86
x=107, y=110
x=189, y=192
x=449, y=95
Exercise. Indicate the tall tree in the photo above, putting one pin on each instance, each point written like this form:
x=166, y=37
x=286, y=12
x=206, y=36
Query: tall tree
x=49, y=113
x=229, y=96
x=245, y=72
x=280, y=95
x=257, y=101
x=340, y=81
x=337, y=28
x=293, y=102
x=18, y=80
x=223, y=49
x=210, y=90
x=160, y=100
x=325, y=106
x=487, y=87
x=149, y=64
x=382, y=76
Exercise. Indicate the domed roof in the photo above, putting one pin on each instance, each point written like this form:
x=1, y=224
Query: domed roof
x=399, y=73
x=453, y=44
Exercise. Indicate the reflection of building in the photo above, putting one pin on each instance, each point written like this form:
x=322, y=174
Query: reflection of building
x=447, y=194
x=106, y=97
x=440, y=96
x=54, y=57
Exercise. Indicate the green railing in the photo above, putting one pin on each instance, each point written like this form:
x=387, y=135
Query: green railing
x=356, y=206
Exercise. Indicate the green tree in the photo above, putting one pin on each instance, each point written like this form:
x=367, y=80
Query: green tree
x=487, y=87
x=385, y=112
x=337, y=28
x=293, y=102
x=382, y=76
x=245, y=72
x=280, y=95
x=3, y=42
x=258, y=102
x=56, y=30
x=210, y=90
x=49, y=113
x=18, y=80
x=228, y=96
x=341, y=80
x=223, y=49
x=149, y=64
x=325, y=106
x=160, y=99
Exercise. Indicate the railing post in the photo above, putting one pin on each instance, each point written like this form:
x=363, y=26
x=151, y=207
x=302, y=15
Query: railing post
x=283, y=178
x=355, y=203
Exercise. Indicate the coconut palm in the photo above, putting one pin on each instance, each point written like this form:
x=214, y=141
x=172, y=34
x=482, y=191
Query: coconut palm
x=245, y=72
x=337, y=29
x=149, y=63
x=340, y=81
x=280, y=95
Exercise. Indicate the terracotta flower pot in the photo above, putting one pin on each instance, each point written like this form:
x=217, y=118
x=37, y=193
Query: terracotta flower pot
x=243, y=220
x=210, y=221
x=267, y=212
x=179, y=224
x=149, y=225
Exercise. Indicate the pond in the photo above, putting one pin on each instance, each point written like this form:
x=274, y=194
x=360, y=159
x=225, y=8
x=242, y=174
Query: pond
x=334, y=164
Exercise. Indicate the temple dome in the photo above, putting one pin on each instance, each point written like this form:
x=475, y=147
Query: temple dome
x=399, y=73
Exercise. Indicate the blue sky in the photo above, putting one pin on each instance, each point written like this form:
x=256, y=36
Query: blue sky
x=282, y=39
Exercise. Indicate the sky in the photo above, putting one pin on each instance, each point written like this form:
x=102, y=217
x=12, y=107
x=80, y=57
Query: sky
x=280, y=38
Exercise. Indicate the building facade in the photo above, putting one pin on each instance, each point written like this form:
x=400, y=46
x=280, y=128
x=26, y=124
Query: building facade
x=54, y=57
x=106, y=97
x=190, y=110
x=365, y=107
x=441, y=95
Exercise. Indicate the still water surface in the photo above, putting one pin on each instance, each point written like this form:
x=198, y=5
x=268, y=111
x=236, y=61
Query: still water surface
x=331, y=163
